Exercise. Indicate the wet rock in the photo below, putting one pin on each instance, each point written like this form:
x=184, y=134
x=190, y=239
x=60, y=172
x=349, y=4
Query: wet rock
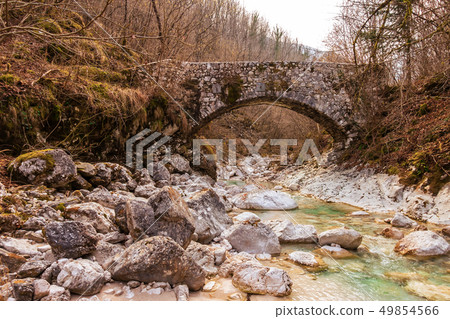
x=178, y=164
x=210, y=217
x=429, y=291
x=33, y=268
x=173, y=217
x=23, y=289
x=306, y=259
x=344, y=237
x=247, y=218
x=57, y=293
x=254, y=239
x=101, y=218
x=264, y=200
x=262, y=280
x=19, y=246
x=402, y=278
x=203, y=256
x=41, y=288
x=9, y=223
x=11, y=260
x=422, y=244
x=335, y=252
x=53, y=168
x=158, y=259
x=71, y=239
x=402, y=221
x=83, y=277
x=394, y=233
x=287, y=232
x=181, y=292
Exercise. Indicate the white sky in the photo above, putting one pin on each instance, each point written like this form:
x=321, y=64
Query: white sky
x=308, y=20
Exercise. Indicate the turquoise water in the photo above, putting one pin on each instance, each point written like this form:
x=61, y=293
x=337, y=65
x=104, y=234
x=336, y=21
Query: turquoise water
x=359, y=278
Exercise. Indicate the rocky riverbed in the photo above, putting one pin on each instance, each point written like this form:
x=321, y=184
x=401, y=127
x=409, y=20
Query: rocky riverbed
x=84, y=231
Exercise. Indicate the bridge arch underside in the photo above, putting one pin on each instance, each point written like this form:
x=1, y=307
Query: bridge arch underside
x=335, y=130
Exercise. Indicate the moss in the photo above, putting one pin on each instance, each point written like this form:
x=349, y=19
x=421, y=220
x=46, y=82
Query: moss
x=100, y=75
x=101, y=89
x=9, y=79
x=423, y=109
x=393, y=170
x=61, y=207
x=42, y=154
x=50, y=26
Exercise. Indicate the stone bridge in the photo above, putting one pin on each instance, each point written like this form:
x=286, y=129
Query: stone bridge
x=207, y=90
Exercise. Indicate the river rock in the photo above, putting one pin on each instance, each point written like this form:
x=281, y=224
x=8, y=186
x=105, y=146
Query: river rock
x=254, y=239
x=181, y=292
x=33, y=268
x=264, y=200
x=247, y=218
x=172, y=216
x=57, y=293
x=71, y=239
x=209, y=215
x=203, y=256
x=101, y=218
x=158, y=259
x=344, y=237
x=287, y=232
x=41, y=288
x=23, y=289
x=306, y=259
x=19, y=246
x=429, y=291
x=82, y=276
x=391, y=232
x=11, y=260
x=422, y=244
x=262, y=280
x=230, y=265
x=335, y=252
x=52, y=167
x=402, y=221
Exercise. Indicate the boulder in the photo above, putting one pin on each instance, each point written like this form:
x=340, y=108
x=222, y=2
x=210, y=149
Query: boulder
x=178, y=164
x=402, y=221
x=158, y=259
x=105, y=253
x=101, y=218
x=108, y=199
x=210, y=217
x=11, y=260
x=9, y=223
x=231, y=264
x=287, y=232
x=142, y=177
x=34, y=223
x=33, y=268
x=264, y=200
x=145, y=191
x=51, y=167
x=335, y=252
x=17, y=246
x=172, y=217
x=57, y=293
x=41, y=288
x=391, y=232
x=422, y=244
x=159, y=173
x=23, y=289
x=86, y=170
x=203, y=256
x=247, y=218
x=306, y=259
x=344, y=237
x=71, y=239
x=262, y=280
x=254, y=239
x=82, y=276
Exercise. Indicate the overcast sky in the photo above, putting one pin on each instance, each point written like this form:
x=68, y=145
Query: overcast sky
x=308, y=20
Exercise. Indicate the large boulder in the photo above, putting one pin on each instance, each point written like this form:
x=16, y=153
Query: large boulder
x=253, y=239
x=172, y=216
x=11, y=260
x=210, y=216
x=422, y=244
x=262, y=280
x=204, y=257
x=401, y=220
x=264, y=200
x=159, y=173
x=101, y=218
x=71, y=239
x=82, y=276
x=158, y=259
x=344, y=237
x=287, y=232
x=51, y=167
x=178, y=164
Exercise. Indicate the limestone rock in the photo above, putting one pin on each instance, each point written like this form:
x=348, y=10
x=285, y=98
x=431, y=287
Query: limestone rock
x=203, y=256
x=210, y=217
x=344, y=237
x=41, y=288
x=33, y=268
x=287, y=232
x=105, y=253
x=82, y=276
x=23, y=289
x=101, y=218
x=11, y=260
x=391, y=232
x=178, y=164
x=264, y=200
x=306, y=259
x=422, y=244
x=401, y=220
x=57, y=293
x=52, y=167
x=19, y=246
x=71, y=239
x=247, y=218
x=158, y=259
x=429, y=291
